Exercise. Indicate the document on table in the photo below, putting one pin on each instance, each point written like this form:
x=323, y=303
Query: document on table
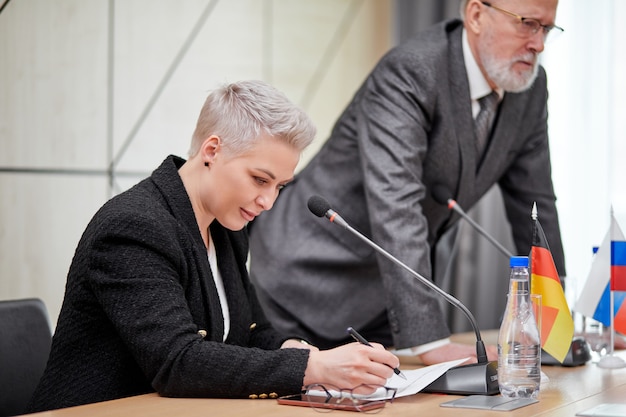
x=416, y=380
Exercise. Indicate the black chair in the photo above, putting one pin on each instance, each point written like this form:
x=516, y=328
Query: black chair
x=25, y=338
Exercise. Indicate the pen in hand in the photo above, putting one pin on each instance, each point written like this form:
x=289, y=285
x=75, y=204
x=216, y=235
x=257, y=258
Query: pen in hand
x=364, y=341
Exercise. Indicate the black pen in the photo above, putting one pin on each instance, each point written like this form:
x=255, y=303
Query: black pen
x=364, y=341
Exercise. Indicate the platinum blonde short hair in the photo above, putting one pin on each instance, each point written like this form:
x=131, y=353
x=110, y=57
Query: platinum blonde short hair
x=242, y=111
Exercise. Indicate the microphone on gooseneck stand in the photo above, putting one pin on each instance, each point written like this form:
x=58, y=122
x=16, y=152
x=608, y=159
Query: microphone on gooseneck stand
x=479, y=378
x=442, y=195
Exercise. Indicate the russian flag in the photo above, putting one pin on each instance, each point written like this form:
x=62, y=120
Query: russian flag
x=618, y=258
x=594, y=300
x=618, y=274
x=602, y=310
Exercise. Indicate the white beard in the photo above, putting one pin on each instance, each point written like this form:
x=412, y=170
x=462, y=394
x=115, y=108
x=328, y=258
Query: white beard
x=500, y=71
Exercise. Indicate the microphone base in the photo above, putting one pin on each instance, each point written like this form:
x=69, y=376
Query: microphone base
x=472, y=379
x=579, y=354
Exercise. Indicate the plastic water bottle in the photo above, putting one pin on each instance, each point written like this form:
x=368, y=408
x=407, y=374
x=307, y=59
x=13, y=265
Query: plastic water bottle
x=519, y=344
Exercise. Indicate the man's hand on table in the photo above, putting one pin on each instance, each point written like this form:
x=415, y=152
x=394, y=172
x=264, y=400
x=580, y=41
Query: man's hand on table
x=453, y=351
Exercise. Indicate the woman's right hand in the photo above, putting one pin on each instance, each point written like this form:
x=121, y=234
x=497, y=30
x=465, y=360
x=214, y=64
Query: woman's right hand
x=350, y=365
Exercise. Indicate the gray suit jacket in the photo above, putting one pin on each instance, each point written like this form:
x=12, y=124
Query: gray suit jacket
x=408, y=127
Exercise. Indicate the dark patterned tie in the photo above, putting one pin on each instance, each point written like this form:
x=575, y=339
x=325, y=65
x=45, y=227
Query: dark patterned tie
x=482, y=124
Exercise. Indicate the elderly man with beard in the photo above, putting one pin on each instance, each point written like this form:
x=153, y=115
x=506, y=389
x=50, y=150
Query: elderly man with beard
x=412, y=125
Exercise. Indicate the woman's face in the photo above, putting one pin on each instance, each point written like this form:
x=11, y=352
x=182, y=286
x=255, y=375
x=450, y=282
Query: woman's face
x=245, y=185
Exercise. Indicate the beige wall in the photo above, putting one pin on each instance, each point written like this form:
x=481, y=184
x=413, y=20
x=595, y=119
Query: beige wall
x=87, y=82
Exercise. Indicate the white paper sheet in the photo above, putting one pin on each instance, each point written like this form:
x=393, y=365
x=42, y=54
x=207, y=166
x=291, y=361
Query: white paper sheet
x=416, y=380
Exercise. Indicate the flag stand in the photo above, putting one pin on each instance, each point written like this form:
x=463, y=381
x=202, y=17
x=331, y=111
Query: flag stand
x=545, y=281
x=609, y=361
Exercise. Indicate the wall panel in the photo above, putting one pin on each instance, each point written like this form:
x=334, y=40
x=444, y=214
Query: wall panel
x=90, y=84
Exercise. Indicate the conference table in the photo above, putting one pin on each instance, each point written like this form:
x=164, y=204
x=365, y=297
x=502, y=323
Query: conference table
x=568, y=391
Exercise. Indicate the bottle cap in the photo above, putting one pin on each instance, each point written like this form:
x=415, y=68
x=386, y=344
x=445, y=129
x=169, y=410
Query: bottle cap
x=519, y=261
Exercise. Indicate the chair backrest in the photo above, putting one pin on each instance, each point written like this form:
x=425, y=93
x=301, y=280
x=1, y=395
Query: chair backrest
x=25, y=338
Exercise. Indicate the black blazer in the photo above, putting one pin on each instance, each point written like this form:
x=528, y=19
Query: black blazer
x=138, y=292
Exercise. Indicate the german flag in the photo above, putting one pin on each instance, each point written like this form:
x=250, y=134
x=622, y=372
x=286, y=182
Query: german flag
x=557, y=326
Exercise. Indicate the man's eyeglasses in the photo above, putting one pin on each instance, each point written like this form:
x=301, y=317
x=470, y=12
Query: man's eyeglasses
x=529, y=26
x=364, y=398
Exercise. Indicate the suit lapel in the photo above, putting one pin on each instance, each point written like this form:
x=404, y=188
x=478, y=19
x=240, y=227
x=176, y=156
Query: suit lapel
x=235, y=293
x=204, y=303
x=199, y=287
x=463, y=121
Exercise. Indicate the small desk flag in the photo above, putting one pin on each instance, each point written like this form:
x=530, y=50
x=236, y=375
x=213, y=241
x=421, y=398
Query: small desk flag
x=595, y=298
x=618, y=257
x=557, y=326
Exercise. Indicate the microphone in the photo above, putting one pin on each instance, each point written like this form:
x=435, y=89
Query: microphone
x=479, y=378
x=579, y=351
x=442, y=195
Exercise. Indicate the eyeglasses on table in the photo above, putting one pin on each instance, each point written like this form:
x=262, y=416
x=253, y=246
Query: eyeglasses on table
x=365, y=398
